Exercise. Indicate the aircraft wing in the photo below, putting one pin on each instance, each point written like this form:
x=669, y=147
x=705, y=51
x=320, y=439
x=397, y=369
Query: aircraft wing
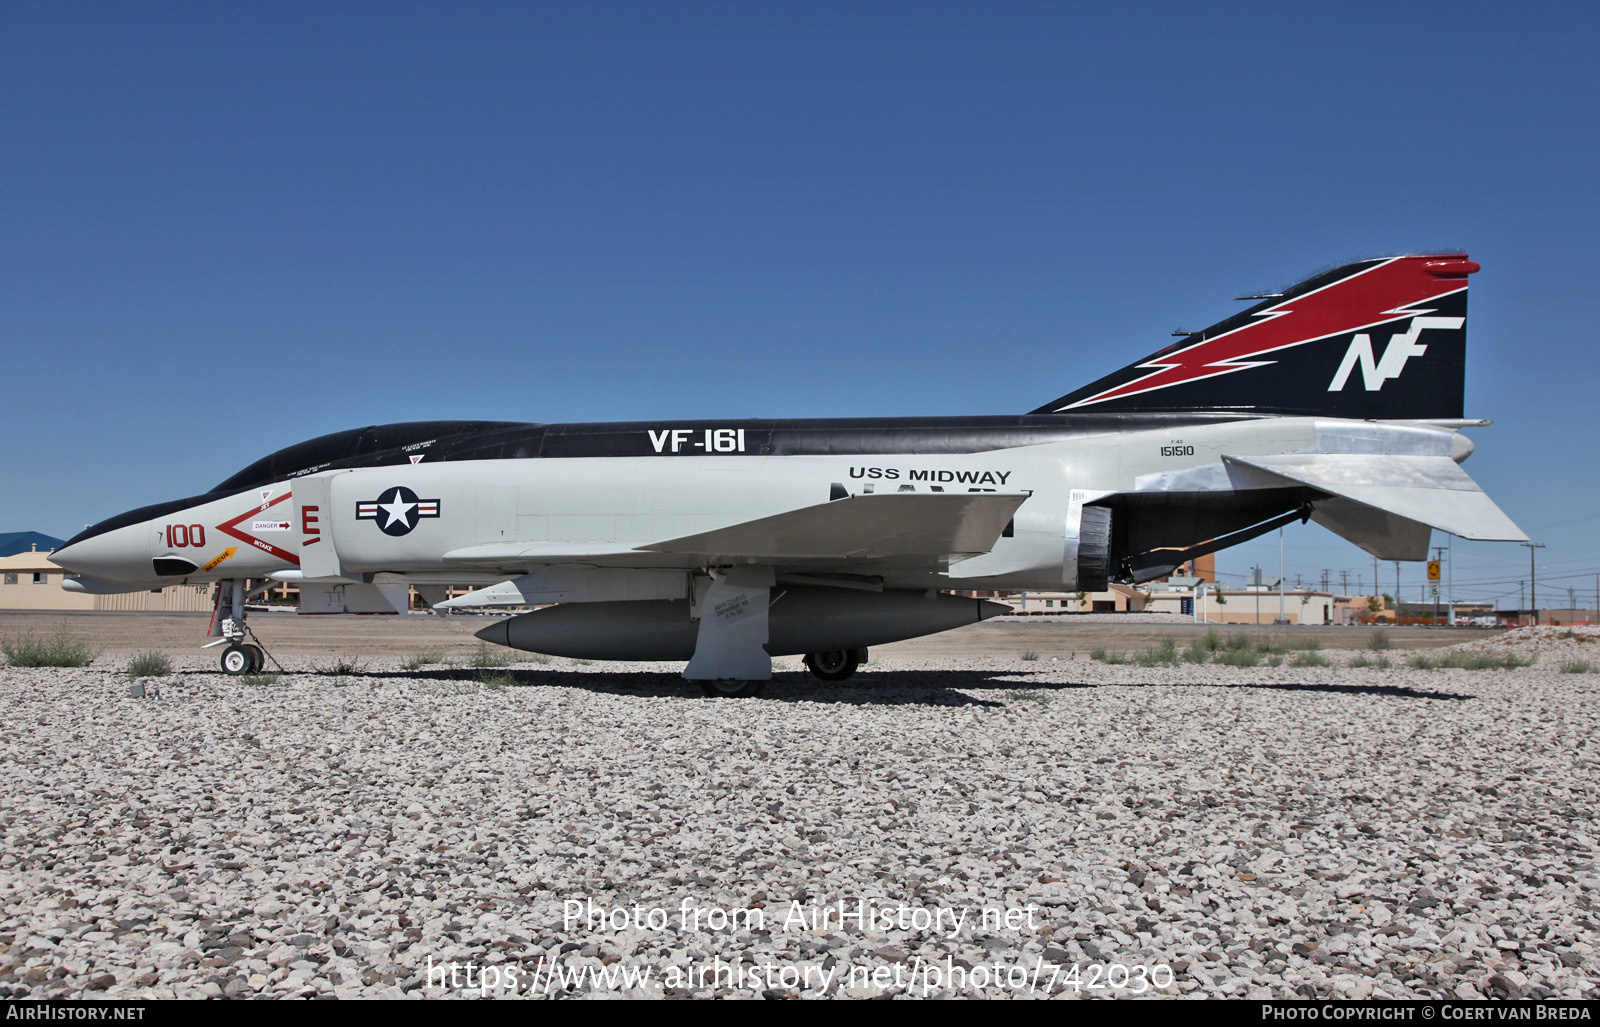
x=1387, y=502
x=955, y=525
x=600, y=554
x=892, y=527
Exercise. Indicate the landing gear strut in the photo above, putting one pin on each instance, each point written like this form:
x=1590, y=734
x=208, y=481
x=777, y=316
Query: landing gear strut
x=835, y=664
x=731, y=604
x=227, y=622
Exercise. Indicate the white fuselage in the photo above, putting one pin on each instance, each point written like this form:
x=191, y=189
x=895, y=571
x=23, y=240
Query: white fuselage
x=331, y=522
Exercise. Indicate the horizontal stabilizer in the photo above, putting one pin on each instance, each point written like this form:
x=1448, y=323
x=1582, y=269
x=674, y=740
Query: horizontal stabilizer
x=1430, y=490
x=1385, y=535
x=891, y=524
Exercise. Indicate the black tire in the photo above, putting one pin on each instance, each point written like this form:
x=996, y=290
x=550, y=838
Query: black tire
x=236, y=660
x=258, y=658
x=732, y=688
x=834, y=664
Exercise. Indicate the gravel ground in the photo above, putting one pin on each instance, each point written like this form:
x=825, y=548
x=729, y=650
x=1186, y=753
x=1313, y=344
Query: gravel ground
x=1270, y=831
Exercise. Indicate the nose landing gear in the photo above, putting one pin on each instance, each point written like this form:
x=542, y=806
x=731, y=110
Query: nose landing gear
x=240, y=657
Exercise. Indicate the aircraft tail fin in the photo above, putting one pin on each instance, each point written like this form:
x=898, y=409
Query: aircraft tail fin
x=1380, y=339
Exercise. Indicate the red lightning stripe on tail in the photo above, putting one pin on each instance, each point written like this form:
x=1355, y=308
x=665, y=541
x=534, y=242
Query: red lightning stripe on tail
x=1369, y=297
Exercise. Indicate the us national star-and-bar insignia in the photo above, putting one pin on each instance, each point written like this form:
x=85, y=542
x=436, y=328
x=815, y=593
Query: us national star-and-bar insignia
x=397, y=510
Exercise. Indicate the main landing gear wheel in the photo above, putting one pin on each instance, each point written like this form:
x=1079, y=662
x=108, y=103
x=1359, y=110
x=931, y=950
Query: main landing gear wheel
x=258, y=657
x=835, y=664
x=731, y=688
x=236, y=659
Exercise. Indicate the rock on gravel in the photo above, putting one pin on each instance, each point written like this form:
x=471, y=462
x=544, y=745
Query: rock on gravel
x=973, y=826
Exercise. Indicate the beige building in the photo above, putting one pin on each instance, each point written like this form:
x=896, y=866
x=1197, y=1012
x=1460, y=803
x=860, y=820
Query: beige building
x=1248, y=605
x=1116, y=599
x=32, y=581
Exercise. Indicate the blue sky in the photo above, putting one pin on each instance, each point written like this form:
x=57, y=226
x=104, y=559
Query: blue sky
x=230, y=227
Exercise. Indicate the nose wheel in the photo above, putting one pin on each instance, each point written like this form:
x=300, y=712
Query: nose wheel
x=243, y=659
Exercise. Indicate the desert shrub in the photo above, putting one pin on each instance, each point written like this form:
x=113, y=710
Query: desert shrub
x=1162, y=654
x=1197, y=652
x=1274, y=660
x=1309, y=658
x=1239, y=658
x=1030, y=656
x=1379, y=640
x=150, y=665
x=1482, y=661
x=485, y=658
x=1306, y=645
x=1421, y=661
x=1577, y=667
x=418, y=660
x=59, y=649
x=1211, y=641
x=342, y=666
x=495, y=682
x=261, y=679
x=1361, y=660
x=1109, y=656
x=1238, y=641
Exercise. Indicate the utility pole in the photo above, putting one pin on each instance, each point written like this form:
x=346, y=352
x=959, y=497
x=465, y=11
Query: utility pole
x=1450, y=584
x=1533, y=577
x=1280, y=619
x=1438, y=554
x=1325, y=573
x=1522, y=598
x=1344, y=582
x=1396, y=593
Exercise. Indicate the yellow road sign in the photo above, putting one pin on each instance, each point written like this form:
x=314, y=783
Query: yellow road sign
x=1433, y=570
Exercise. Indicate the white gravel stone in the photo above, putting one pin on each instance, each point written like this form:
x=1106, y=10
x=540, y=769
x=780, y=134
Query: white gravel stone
x=1270, y=831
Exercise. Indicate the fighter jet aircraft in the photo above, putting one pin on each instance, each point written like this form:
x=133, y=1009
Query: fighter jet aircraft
x=725, y=543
